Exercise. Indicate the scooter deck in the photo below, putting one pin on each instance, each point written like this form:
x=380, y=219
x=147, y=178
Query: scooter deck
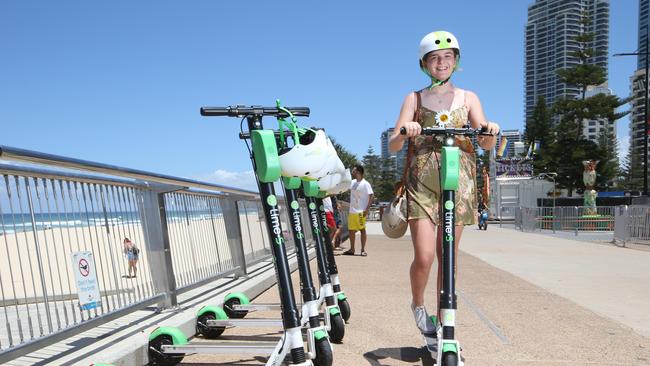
x=257, y=306
x=222, y=348
x=245, y=323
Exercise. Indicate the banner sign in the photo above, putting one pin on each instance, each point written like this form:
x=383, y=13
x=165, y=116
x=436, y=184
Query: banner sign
x=514, y=168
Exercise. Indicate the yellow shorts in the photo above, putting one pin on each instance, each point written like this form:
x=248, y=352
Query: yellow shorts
x=356, y=221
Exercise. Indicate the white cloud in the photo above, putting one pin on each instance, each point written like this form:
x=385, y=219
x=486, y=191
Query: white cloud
x=242, y=180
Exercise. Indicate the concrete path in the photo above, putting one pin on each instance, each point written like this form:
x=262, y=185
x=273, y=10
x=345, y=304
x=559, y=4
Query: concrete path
x=524, y=299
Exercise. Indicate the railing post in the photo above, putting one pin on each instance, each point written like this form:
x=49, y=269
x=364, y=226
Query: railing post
x=621, y=224
x=576, y=219
x=230, y=210
x=154, y=225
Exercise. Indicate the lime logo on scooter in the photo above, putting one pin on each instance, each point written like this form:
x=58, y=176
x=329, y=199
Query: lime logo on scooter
x=323, y=218
x=274, y=213
x=449, y=218
x=314, y=218
x=297, y=227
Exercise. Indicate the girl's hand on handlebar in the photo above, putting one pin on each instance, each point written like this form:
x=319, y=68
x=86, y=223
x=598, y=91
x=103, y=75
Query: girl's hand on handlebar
x=412, y=129
x=491, y=128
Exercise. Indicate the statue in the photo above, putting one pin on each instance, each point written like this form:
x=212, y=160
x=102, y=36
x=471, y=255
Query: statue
x=589, y=179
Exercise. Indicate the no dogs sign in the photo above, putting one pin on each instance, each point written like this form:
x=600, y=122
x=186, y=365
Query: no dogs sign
x=83, y=265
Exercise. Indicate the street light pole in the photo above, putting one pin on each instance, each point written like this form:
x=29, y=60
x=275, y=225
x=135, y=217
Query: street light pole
x=645, y=114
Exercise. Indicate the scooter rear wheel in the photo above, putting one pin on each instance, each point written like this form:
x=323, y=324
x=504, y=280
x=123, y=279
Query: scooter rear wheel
x=233, y=314
x=160, y=359
x=208, y=332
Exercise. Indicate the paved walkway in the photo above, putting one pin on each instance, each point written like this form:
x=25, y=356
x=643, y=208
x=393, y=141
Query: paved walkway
x=525, y=299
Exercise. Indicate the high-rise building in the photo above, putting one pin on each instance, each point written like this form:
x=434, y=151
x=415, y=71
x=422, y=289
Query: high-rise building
x=398, y=159
x=637, y=129
x=644, y=21
x=637, y=93
x=549, y=40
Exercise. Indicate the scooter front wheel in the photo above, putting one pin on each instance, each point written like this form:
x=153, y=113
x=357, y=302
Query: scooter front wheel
x=449, y=359
x=324, y=355
x=337, y=331
x=344, y=306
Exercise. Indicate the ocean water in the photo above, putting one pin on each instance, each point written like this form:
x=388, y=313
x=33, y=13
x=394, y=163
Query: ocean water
x=21, y=222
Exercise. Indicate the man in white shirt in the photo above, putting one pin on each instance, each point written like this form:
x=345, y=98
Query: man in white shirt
x=361, y=196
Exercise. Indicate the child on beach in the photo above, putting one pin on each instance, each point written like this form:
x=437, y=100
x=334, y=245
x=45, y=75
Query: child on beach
x=132, y=253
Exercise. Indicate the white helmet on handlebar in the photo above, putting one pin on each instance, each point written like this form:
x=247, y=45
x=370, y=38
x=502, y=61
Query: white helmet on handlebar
x=333, y=163
x=330, y=181
x=308, y=155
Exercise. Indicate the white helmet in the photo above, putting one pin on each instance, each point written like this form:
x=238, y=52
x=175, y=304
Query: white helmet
x=339, y=188
x=308, y=155
x=438, y=40
x=343, y=184
x=329, y=182
x=332, y=164
x=347, y=177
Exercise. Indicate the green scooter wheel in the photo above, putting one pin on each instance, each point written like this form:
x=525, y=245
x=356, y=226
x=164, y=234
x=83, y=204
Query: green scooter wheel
x=324, y=355
x=235, y=299
x=208, y=332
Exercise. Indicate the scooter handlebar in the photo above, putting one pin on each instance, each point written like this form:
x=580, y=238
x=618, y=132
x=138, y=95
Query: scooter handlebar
x=468, y=131
x=244, y=111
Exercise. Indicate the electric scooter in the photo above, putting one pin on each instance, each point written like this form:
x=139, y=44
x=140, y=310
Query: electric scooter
x=168, y=345
x=445, y=347
x=237, y=305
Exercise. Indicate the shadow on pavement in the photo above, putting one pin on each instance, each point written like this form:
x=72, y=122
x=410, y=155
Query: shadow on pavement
x=406, y=354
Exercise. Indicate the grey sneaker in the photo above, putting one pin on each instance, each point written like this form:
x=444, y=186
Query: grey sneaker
x=423, y=321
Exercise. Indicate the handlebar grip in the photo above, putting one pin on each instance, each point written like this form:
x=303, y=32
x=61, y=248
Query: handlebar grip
x=299, y=111
x=215, y=111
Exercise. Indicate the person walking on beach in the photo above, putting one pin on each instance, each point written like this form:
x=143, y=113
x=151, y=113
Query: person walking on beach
x=132, y=253
x=439, y=104
x=361, y=196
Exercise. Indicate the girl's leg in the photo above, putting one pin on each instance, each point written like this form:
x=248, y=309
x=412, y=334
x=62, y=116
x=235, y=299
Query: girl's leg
x=458, y=233
x=135, y=267
x=423, y=233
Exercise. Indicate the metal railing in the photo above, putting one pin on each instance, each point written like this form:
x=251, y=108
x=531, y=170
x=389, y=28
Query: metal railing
x=189, y=233
x=575, y=219
x=632, y=224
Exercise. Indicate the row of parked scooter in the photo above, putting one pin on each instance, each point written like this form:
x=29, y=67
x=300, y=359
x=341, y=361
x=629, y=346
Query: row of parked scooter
x=305, y=161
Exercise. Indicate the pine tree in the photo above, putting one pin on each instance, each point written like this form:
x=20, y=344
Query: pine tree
x=570, y=147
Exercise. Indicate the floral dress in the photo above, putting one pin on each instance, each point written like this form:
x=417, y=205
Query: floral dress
x=423, y=177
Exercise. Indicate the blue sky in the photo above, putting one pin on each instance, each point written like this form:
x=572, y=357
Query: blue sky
x=121, y=82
